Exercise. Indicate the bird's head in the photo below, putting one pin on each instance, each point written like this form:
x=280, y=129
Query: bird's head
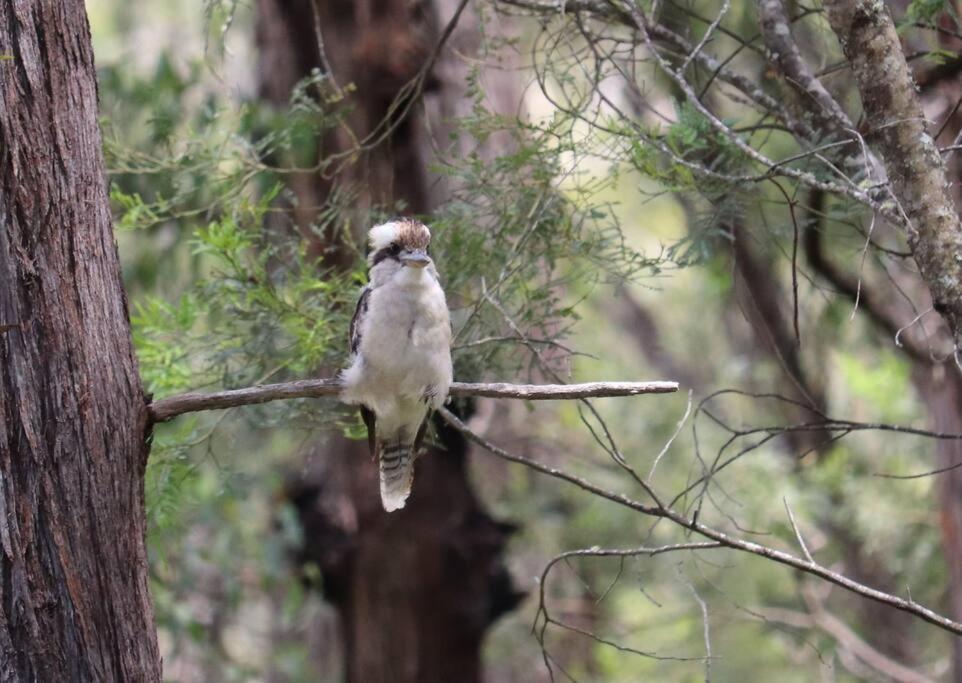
x=404, y=241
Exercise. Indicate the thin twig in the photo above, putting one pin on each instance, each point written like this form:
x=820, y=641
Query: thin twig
x=706, y=623
x=726, y=4
x=798, y=534
x=664, y=449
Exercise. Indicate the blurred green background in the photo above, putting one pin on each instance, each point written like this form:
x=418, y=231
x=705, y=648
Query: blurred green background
x=627, y=269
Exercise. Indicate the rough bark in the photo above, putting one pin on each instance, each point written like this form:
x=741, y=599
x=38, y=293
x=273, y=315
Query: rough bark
x=416, y=589
x=897, y=130
x=74, y=603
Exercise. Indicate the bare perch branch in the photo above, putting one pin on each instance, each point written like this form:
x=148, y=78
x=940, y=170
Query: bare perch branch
x=169, y=408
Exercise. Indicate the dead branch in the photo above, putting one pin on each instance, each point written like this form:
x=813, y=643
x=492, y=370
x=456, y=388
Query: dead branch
x=169, y=408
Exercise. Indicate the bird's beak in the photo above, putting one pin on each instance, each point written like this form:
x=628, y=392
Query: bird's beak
x=415, y=259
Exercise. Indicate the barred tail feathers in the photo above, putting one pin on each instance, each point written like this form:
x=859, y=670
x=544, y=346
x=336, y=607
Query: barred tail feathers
x=397, y=474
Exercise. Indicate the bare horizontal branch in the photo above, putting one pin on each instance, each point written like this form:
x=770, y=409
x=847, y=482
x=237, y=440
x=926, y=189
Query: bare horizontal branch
x=169, y=408
x=562, y=392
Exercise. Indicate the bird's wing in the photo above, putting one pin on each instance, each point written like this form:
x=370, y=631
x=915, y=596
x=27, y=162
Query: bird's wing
x=359, y=312
x=367, y=414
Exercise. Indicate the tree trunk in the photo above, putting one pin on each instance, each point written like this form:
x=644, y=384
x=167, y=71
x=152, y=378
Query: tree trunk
x=416, y=589
x=898, y=130
x=74, y=602
x=941, y=388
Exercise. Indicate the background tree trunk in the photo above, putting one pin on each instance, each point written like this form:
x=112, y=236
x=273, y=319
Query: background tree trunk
x=416, y=589
x=941, y=388
x=74, y=603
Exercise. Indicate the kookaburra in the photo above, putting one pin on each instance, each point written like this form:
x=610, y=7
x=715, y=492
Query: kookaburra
x=401, y=352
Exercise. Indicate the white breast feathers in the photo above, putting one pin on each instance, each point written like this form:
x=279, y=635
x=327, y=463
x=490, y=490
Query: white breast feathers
x=404, y=351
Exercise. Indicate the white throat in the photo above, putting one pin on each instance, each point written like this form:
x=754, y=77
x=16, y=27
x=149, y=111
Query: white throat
x=412, y=277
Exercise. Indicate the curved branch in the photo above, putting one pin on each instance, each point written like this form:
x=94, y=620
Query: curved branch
x=169, y=408
x=720, y=537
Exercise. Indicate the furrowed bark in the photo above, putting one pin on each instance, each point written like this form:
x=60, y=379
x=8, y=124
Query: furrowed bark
x=74, y=602
x=897, y=130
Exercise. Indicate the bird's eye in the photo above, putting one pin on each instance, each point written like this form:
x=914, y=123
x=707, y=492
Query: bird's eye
x=394, y=249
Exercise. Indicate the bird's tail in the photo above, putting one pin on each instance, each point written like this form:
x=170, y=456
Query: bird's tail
x=397, y=473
